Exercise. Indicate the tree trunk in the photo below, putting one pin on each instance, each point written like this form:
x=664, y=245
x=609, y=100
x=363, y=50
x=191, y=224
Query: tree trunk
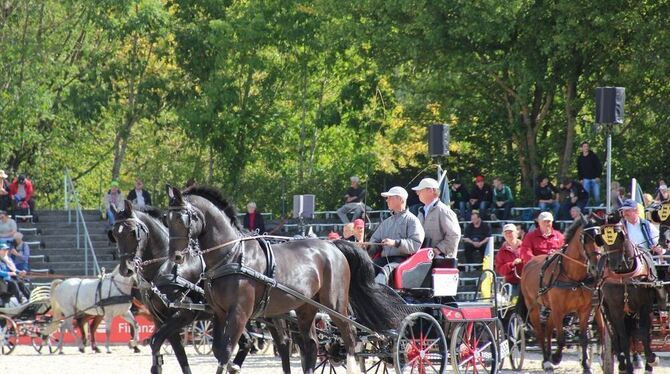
x=571, y=119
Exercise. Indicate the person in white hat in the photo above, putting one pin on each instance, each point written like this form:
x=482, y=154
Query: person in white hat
x=508, y=263
x=543, y=240
x=399, y=236
x=439, y=222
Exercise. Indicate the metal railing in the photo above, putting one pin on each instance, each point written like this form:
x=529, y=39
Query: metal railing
x=72, y=202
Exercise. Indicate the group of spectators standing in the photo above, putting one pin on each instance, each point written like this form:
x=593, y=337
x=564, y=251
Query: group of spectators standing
x=138, y=195
x=496, y=202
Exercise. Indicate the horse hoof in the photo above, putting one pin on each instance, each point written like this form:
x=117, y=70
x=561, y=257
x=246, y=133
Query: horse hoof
x=96, y=350
x=556, y=359
x=653, y=363
x=136, y=350
x=61, y=353
x=548, y=366
x=587, y=371
x=233, y=369
x=82, y=350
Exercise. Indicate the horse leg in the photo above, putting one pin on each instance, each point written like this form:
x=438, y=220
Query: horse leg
x=644, y=334
x=308, y=343
x=134, y=330
x=348, y=334
x=108, y=331
x=170, y=329
x=540, y=328
x=584, y=338
x=66, y=325
x=244, y=346
x=282, y=342
x=556, y=319
x=83, y=328
x=234, y=323
x=94, y=327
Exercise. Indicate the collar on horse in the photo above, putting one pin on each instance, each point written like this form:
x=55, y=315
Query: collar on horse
x=555, y=282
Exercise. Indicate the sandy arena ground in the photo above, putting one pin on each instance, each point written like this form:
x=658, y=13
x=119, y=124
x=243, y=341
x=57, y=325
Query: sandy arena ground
x=122, y=360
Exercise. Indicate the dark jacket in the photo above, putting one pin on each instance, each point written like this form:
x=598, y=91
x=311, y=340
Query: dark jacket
x=589, y=167
x=576, y=189
x=485, y=194
x=132, y=196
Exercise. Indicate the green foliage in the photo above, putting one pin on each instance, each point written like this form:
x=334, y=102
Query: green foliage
x=266, y=99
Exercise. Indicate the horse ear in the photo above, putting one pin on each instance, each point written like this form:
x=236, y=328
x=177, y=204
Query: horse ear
x=175, y=195
x=128, y=206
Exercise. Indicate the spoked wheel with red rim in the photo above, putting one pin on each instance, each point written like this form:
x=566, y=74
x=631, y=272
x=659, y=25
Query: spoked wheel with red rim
x=473, y=348
x=421, y=346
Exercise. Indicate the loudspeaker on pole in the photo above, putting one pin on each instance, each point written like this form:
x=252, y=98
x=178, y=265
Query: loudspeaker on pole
x=610, y=105
x=438, y=140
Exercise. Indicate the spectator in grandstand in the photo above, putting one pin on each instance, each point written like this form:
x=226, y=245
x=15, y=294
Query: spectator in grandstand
x=359, y=230
x=399, y=236
x=5, y=199
x=589, y=171
x=502, y=198
x=440, y=223
x=253, y=220
x=138, y=195
x=333, y=236
x=353, y=201
x=481, y=196
x=190, y=183
x=113, y=196
x=20, y=253
x=663, y=193
x=547, y=195
x=618, y=195
x=662, y=186
x=475, y=237
x=576, y=195
x=460, y=198
x=10, y=275
x=521, y=231
x=21, y=192
x=541, y=241
x=508, y=263
x=348, y=231
x=575, y=212
x=7, y=227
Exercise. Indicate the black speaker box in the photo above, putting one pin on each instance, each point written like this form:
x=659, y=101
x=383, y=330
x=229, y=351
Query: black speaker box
x=438, y=140
x=609, y=105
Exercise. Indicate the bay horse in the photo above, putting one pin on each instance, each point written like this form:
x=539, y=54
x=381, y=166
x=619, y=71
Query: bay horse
x=627, y=306
x=322, y=271
x=142, y=241
x=562, y=282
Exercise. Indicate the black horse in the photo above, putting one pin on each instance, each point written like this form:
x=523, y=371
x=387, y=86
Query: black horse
x=627, y=306
x=323, y=271
x=142, y=240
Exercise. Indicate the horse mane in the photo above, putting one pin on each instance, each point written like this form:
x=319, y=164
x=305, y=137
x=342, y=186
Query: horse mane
x=150, y=211
x=572, y=229
x=215, y=196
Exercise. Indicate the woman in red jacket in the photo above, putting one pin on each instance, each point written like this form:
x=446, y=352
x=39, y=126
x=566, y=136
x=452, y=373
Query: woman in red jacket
x=508, y=263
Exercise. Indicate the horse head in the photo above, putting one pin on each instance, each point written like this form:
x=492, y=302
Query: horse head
x=619, y=251
x=589, y=245
x=130, y=236
x=185, y=223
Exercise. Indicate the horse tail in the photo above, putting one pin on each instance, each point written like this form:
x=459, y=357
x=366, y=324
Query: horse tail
x=56, y=309
x=374, y=305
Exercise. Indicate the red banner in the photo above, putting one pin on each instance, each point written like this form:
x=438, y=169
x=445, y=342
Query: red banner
x=120, y=332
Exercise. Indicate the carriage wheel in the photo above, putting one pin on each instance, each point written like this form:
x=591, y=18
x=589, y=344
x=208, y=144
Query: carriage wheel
x=8, y=335
x=421, y=346
x=606, y=354
x=375, y=358
x=473, y=348
x=202, y=337
x=516, y=337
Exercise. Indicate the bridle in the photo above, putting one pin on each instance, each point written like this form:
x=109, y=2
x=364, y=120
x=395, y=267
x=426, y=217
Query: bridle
x=142, y=238
x=189, y=214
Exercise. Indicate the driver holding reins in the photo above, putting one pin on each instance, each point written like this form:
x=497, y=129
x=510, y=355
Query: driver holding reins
x=643, y=235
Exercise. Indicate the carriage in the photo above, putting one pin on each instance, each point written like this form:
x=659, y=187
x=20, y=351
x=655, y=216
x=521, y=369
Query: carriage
x=27, y=321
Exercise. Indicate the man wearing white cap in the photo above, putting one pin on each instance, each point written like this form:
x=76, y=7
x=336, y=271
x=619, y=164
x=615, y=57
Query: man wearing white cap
x=400, y=235
x=439, y=222
x=543, y=240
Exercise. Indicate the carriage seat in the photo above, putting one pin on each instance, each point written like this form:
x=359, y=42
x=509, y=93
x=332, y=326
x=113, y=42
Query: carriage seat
x=412, y=272
x=423, y=271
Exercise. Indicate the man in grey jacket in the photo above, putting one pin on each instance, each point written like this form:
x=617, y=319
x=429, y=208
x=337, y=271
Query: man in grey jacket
x=439, y=222
x=399, y=236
